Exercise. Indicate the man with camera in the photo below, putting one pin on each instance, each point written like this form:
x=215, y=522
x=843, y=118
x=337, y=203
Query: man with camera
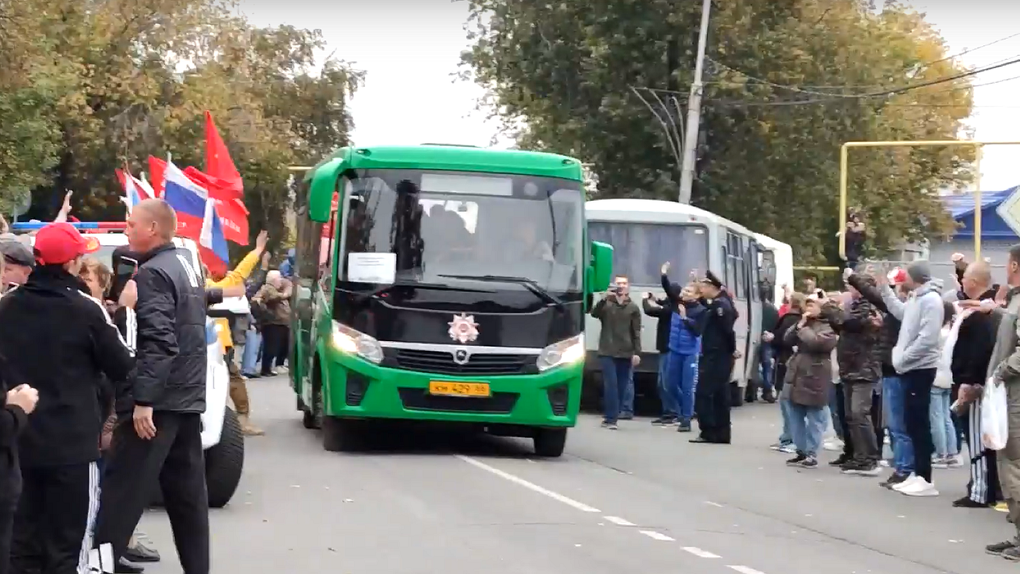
x=619, y=346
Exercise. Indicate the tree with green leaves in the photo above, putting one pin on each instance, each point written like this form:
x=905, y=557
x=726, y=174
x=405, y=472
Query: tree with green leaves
x=91, y=86
x=786, y=84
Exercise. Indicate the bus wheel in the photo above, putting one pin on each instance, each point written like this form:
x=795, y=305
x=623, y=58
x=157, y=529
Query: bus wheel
x=550, y=442
x=310, y=414
x=339, y=435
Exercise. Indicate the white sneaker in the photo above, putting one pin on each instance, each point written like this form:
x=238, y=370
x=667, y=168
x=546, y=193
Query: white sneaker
x=920, y=487
x=910, y=480
x=955, y=461
x=833, y=444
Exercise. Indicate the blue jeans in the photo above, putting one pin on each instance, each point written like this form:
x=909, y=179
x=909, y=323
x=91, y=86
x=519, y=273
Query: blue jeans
x=666, y=393
x=837, y=424
x=615, y=374
x=683, y=373
x=627, y=404
x=784, y=408
x=807, y=425
x=943, y=431
x=252, y=346
x=903, y=449
x=766, y=367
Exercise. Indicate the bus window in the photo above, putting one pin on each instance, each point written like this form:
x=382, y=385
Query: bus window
x=640, y=249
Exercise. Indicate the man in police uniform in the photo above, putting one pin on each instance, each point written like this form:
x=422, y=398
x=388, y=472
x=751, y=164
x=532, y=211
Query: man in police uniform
x=715, y=365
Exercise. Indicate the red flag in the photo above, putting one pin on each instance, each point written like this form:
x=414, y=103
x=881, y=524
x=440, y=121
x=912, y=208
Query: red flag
x=231, y=210
x=156, y=169
x=217, y=160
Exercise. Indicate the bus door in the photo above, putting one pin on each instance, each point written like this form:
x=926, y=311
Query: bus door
x=753, y=310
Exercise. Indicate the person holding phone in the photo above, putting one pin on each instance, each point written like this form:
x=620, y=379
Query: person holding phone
x=619, y=346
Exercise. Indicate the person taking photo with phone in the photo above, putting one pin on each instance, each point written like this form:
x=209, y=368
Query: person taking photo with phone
x=619, y=346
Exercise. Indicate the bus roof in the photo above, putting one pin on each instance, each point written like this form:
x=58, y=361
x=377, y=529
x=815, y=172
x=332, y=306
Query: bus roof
x=655, y=211
x=458, y=158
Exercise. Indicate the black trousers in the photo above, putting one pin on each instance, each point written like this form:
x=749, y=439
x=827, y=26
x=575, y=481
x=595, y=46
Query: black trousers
x=175, y=460
x=54, y=519
x=712, y=397
x=917, y=401
x=11, y=489
x=274, y=347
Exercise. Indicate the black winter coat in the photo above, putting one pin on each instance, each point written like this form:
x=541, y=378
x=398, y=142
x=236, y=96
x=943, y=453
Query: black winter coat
x=855, y=351
x=890, y=331
x=172, y=350
x=61, y=341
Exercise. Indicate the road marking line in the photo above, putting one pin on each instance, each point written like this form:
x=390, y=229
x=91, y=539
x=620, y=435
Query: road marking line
x=656, y=535
x=715, y=504
x=699, y=552
x=618, y=521
x=744, y=569
x=529, y=485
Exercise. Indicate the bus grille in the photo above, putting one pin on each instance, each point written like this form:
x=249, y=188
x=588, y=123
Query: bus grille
x=420, y=400
x=441, y=362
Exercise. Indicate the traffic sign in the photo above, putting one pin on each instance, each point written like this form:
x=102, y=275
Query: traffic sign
x=1009, y=210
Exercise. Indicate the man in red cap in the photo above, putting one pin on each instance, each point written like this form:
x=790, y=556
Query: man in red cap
x=61, y=341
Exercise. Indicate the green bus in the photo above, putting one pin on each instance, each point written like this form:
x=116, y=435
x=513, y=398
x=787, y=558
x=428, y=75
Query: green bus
x=442, y=284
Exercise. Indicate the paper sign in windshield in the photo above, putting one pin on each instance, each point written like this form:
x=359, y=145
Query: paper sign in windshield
x=372, y=267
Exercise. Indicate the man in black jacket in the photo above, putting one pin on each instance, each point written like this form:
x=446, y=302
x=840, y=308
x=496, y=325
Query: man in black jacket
x=715, y=366
x=662, y=310
x=160, y=438
x=62, y=342
x=15, y=406
x=971, y=355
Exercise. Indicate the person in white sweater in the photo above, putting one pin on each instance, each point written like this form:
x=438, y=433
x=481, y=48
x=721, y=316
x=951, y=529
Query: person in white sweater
x=943, y=431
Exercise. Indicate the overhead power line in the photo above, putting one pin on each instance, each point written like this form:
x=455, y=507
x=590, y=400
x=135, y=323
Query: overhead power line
x=877, y=94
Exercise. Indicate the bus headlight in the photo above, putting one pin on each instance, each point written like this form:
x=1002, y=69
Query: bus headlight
x=566, y=352
x=356, y=343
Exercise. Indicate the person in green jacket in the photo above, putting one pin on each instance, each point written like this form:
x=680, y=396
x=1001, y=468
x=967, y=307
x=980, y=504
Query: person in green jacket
x=619, y=346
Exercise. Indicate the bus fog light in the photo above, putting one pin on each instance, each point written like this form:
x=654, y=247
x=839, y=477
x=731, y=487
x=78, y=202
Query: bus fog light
x=566, y=352
x=355, y=342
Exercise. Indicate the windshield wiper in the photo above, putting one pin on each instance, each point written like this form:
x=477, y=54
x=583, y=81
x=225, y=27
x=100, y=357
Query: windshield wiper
x=529, y=284
x=433, y=286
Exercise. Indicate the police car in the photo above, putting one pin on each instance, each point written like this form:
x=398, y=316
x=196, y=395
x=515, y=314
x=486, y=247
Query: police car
x=222, y=438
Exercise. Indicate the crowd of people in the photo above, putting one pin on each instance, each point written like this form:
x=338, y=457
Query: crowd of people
x=899, y=358
x=896, y=358
x=103, y=385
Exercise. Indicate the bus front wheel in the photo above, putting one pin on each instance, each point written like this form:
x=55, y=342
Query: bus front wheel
x=339, y=435
x=550, y=443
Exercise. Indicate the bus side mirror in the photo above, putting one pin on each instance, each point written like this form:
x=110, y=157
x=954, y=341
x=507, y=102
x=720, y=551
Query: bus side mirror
x=324, y=181
x=601, y=266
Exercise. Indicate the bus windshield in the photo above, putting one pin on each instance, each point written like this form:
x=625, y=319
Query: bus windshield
x=640, y=249
x=438, y=224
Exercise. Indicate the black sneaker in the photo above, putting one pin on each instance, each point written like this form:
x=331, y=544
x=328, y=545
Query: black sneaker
x=808, y=462
x=998, y=548
x=842, y=460
x=683, y=426
x=893, y=480
x=966, y=502
x=663, y=421
x=626, y=416
x=797, y=459
x=862, y=468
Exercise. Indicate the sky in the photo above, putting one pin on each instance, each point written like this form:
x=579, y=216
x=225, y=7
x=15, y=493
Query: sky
x=410, y=52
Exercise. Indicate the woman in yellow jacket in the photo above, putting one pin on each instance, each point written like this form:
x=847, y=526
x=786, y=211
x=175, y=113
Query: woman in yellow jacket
x=236, y=278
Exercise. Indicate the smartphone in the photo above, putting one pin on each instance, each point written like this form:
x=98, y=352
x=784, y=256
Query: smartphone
x=124, y=269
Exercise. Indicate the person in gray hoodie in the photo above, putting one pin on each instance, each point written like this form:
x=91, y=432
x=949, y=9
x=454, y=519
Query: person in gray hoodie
x=915, y=357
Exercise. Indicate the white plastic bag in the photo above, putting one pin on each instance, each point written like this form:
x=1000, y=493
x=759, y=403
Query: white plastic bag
x=994, y=416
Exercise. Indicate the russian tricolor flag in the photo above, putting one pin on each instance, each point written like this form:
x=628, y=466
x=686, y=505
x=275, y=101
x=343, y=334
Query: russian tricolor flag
x=196, y=215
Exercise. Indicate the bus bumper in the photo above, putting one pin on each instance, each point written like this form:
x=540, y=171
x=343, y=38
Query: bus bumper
x=357, y=389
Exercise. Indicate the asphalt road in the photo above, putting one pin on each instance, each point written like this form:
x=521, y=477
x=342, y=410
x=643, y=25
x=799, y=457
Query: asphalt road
x=641, y=499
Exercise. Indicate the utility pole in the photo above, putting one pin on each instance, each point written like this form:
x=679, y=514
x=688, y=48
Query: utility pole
x=694, y=111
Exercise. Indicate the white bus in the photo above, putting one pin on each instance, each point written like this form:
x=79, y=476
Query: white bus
x=646, y=233
x=783, y=257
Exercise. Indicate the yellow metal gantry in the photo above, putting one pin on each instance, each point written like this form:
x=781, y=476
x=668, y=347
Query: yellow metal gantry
x=978, y=148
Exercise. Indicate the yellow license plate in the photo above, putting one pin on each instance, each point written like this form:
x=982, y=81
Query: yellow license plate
x=451, y=389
